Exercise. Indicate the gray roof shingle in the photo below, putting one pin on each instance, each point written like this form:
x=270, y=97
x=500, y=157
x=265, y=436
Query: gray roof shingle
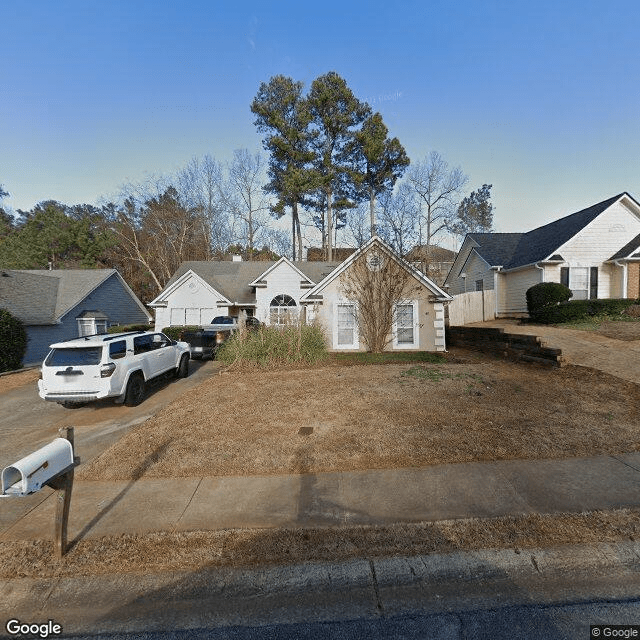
x=630, y=249
x=232, y=279
x=28, y=296
x=41, y=297
x=496, y=248
x=511, y=250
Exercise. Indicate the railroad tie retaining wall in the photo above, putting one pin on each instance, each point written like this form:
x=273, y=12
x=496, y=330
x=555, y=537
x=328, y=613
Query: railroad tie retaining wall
x=515, y=346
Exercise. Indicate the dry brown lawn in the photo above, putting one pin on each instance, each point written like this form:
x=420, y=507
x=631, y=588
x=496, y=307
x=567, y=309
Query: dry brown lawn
x=379, y=416
x=620, y=330
x=166, y=551
x=11, y=381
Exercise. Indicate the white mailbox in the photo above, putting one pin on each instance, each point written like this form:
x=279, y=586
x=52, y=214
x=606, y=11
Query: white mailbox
x=29, y=474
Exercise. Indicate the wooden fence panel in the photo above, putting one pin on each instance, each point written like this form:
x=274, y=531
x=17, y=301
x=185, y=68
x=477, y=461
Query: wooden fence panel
x=474, y=306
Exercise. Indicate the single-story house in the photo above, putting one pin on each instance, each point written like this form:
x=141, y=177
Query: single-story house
x=281, y=291
x=595, y=252
x=62, y=304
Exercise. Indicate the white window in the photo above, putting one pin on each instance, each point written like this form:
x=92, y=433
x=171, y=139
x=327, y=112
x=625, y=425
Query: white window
x=579, y=282
x=283, y=310
x=346, y=326
x=405, y=330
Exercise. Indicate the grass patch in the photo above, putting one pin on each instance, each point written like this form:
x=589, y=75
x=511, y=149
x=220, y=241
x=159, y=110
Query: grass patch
x=389, y=357
x=594, y=323
x=374, y=417
x=166, y=551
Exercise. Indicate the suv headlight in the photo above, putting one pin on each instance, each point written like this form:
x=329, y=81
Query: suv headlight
x=107, y=369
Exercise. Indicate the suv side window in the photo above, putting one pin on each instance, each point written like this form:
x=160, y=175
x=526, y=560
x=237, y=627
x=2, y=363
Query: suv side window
x=117, y=349
x=160, y=340
x=142, y=344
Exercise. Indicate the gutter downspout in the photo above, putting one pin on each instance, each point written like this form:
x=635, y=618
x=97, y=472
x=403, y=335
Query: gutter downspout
x=625, y=276
x=496, y=270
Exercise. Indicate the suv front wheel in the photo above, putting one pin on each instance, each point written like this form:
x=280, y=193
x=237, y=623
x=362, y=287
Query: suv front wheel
x=183, y=368
x=134, y=394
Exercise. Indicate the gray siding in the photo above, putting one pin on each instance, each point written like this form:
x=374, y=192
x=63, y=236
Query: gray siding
x=111, y=297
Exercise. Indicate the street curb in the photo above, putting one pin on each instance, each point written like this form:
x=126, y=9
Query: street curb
x=327, y=591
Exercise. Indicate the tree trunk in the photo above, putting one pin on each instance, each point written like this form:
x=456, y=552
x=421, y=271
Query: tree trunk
x=329, y=226
x=372, y=203
x=297, y=223
x=294, y=212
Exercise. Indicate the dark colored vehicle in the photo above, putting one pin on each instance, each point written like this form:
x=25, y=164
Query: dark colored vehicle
x=205, y=342
x=202, y=343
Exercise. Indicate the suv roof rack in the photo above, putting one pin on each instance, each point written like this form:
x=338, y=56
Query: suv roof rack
x=105, y=337
x=113, y=336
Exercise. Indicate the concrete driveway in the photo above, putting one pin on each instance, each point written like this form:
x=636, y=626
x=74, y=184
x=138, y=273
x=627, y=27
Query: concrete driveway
x=27, y=423
x=619, y=358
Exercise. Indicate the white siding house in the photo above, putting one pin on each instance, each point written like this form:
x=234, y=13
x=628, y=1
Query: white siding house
x=592, y=251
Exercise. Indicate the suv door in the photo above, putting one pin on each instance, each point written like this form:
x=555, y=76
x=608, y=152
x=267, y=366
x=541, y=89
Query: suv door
x=164, y=352
x=143, y=356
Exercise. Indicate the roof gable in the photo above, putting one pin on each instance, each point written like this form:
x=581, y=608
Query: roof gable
x=388, y=250
x=182, y=280
x=284, y=260
x=538, y=244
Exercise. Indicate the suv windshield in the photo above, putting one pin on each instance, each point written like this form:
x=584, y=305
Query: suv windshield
x=70, y=356
x=223, y=320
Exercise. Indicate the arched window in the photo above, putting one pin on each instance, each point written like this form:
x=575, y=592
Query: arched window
x=283, y=310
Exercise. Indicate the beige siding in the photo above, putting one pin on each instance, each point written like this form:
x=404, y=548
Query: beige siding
x=428, y=316
x=516, y=284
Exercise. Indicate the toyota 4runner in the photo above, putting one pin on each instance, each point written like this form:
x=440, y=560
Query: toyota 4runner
x=110, y=366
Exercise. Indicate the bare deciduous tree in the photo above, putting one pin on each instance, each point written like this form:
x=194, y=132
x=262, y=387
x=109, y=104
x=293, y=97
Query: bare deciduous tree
x=399, y=218
x=377, y=283
x=439, y=189
x=159, y=235
x=201, y=186
x=245, y=197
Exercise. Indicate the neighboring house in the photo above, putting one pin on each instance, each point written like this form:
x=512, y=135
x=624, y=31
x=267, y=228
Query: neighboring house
x=281, y=291
x=432, y=260
x=595, y=252
x=63, y=304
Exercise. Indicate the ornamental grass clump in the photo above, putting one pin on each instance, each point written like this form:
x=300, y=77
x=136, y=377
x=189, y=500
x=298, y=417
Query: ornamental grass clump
x=270, y=347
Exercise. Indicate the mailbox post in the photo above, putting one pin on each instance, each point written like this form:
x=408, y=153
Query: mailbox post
x=52, y=465
x=63, y=486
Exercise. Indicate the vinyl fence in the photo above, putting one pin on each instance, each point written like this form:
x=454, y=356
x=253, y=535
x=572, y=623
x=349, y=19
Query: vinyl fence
x=474, y=306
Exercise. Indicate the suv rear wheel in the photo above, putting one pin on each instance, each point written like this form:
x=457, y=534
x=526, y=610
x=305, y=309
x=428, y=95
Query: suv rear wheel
x=134, y=394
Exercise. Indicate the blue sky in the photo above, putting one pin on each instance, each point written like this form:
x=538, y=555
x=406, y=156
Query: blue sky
x=540, y=99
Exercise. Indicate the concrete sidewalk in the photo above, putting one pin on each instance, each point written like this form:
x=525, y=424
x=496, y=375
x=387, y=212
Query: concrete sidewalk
x=441, y=492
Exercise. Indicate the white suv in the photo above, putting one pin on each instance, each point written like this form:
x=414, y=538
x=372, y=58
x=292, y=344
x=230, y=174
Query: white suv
x=110, y=366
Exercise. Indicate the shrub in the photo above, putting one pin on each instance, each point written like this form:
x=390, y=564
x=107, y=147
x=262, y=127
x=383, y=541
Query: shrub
x=575, y=310
x=546, y=294
x=175, y=333
x=274, y=346
x=119, y=328
x=13, y=341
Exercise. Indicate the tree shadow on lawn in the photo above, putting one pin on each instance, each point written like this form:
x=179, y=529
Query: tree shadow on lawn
x=138, y=472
